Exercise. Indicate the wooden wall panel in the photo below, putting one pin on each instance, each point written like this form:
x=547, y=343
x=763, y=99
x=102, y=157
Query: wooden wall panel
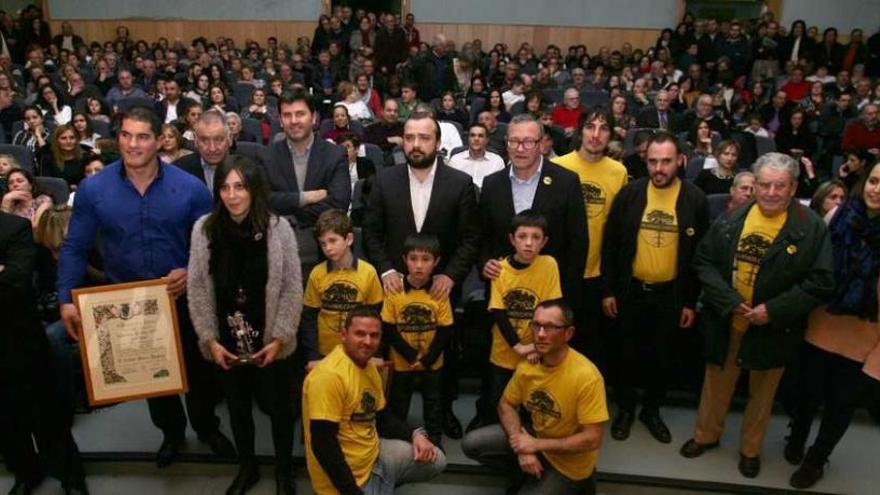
x=288, y=31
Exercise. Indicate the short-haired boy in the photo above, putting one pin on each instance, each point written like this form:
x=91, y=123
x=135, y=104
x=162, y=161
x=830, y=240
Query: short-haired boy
x=335, y=287
x=417, y=327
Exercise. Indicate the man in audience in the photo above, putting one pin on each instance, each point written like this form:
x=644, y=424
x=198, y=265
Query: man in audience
x=864, y=133
x=497, y=137
x=704, y=109
x=169, y=109
x=124, y=89
x=212, y=143
x=651, y=288
x=636, y=164
x=755, y=309
x=569, y=113
x=777, y=112
x=142, y=243
x=391, y=46
x=658, y=116
x=433, y=70
x=388, y=131
x=563, y=394
x=476, y=161
x=408, y=101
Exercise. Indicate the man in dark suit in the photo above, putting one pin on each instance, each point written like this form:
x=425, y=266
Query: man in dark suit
x=307, y=176
x=557, y=196
x=213, y=140
x=658, y=116
x=428, y=197
x=171, y=107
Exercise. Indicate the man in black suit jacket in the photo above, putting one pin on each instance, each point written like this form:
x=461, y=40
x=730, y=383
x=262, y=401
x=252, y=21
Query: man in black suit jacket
x=428, y=197
x=172, y=99
x=213, y=140
x=557, y=196
x=658, y=116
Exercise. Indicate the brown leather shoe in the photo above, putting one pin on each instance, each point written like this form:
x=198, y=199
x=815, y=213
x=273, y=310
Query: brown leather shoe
x=692, y=448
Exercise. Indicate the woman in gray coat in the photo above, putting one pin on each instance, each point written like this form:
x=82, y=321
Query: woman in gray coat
x=245, y=300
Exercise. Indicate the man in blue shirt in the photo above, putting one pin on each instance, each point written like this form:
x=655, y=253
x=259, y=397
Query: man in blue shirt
x=144, y=211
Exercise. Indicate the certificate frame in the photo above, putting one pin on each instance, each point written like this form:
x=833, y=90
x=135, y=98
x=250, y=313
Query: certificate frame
x=129, y=341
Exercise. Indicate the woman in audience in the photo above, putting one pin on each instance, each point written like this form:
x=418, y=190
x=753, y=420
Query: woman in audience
x=448, y=110
x=8, y=163
x=341, y=123
x=814, y=102
x=216, y=74
x=700, y=138
x=623, y=121
x=718, y=178
x=794, y=138
x=199, y=92
x=855, y=164
x=219, y=100
x=245, y=298
x=248, y=76
x=828, y=196
x=62, y=156
x=84, y=132
x=477, y=89
x=687, y=91
x=495, y=104
x=52, y=106
x=24, y=197
x=34, y=134
x=98, y=109
x=841, y=355
x=351, y=100
x=172, y=148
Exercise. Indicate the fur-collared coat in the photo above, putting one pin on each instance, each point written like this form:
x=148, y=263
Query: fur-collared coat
x=284, y=292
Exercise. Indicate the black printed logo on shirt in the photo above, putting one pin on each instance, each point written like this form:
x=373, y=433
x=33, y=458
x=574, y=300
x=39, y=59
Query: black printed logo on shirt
x=658, y=227
x=594, y=198
x=751, y=250
x=543, y=408
x=340, y=296
x=416, y=317
x=520, y=303
x=367, y=411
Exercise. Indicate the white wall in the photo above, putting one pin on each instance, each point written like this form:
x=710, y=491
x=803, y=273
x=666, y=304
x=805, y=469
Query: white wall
x=270, y=10
x=845, y=15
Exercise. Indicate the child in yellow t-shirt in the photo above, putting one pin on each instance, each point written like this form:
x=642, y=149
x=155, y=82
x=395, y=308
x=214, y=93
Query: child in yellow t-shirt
x=336, y=287
x=417, y=327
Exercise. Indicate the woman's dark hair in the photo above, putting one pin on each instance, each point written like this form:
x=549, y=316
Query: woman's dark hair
x=35, y=188
x=89, y=130
x=692, y=132
x=822, y=192
x=858, y=190
x=500, y=106
x=41, y=101
x=256, y=185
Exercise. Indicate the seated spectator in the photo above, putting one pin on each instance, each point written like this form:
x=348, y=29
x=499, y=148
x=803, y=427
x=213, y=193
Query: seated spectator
x=852, y=169
x=497, y=136
x=794, y=137
x=171, y=144
x=863, y=133
x=756, y=126
x=476, y=160
x=408, y=101
x=247, y=76
x=84, y=132
x=8, y=163
x=515, y=94
x=24, y=198
x=341, y=123
x=623, y=121
x=34, y=133
x=171, y=107
x=219, y=100
x=124, y=89
x=776, y=112
x=259, y=108
x=190, y=118
x=704, y=109
x=742, y=191
x=371, y=96
x=52, y=106
x=700, y=138
x=62, y=156
x=719, y=169
x=199, y=92
x=448, y=110
x=98, y=110
x=236, y=133
x=351, y=100
x=388, y=131
x=658, y=116
x=796, y=89
x=828, y=196
x=569, y=113
x=495, y=104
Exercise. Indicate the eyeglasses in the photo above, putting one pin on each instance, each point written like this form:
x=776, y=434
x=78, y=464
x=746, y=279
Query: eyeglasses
x=527, y=144
x=536, y=327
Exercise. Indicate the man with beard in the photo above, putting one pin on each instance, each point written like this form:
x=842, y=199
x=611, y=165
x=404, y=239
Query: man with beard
x=653, y=229
x=428, y=197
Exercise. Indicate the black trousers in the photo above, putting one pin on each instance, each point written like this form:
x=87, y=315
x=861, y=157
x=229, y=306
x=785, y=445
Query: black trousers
x=30, y=411
x=493, y=389
x=427, y=383
x=592, y=336
x=204, y=389
x=450, y=372
x=829, y=380
x=270, y=388
x=648, y=321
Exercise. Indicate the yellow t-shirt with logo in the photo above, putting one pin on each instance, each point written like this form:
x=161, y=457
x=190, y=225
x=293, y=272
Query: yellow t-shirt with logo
x=336, y=292
x=757, y=236
x=656, y=257
x=340, y=391
x=560, y=400
x=518, y=291
x=600, y=183
x=416, y=315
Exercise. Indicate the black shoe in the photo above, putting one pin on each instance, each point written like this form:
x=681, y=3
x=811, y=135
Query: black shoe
x=247, y=477
x=451, y=425
x=749, y=466
x=692, y=448
x=794, y=451
x=474, y=424
x=284, y=484
x=652, y=420
x=220, y=445
x=622, y=424
x=806, y=475
x=167, y=452
x=78, y=488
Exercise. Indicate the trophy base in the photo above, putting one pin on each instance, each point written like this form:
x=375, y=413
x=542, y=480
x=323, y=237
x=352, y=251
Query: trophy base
x=243, y=360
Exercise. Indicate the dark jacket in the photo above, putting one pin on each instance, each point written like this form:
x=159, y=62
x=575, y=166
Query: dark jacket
x=796, y=275
x=21, y=335
x=621, y=238
x=559, y=198
x=451, y=216
x=433, y=75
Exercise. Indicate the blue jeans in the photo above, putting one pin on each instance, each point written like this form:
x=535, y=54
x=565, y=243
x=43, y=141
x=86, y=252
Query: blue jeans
x=64, y=354
x=395, y=466
x=490, y=447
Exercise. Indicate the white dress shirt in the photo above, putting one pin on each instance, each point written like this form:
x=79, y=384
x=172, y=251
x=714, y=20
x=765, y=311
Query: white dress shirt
x=420, y=194
x=477, y=168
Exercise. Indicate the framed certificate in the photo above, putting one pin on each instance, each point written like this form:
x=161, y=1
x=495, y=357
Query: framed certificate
x=129, y=342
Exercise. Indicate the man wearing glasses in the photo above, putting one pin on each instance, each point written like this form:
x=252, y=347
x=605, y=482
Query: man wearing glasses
x=564, y=396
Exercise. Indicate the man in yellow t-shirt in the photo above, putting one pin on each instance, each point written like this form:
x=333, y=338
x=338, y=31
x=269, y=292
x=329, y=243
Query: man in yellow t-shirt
x=564, y=394
x=653, y=229
x=349, y=433
x=601, y=179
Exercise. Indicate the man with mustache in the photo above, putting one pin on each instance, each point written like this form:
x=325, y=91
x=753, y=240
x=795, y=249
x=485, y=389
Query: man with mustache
x=651, y=287
x=426, y=196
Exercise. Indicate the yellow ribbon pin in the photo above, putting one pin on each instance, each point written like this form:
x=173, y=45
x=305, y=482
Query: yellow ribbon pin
x=690, y=231
x=548, y=181
x=791, y=249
